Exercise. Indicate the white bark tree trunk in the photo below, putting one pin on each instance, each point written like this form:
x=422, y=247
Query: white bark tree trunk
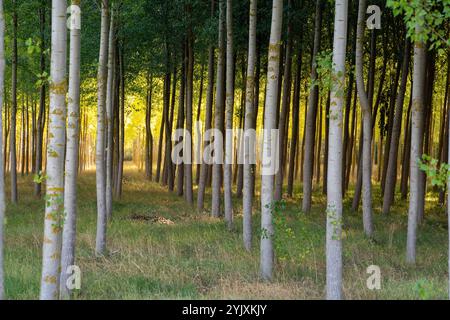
x=100, y=246
x=229, y=109
x=249, y=120
x=71, y=173
x=367, y=122
x=334, y=185
x=418, y=100
x=110, y=118
x=267, y=183
x=2, y=171
x=54, y=208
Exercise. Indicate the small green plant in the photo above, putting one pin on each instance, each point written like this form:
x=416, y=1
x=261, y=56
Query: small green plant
x=424, y=289
x=324, y=68
x=288, y=244
x=39, y=177
x=437, y=172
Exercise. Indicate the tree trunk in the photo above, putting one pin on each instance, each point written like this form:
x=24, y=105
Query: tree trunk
x=416, y=145
x=284, y=114
x=42, y=95
x=229, y=110
x=391, y=175
x=2, y=171
x=100, y=246
x=249, y=126
x=218, y=118
x=149, y=136
x=295, y=123
x=71, y=165
x=110, y=117
x=121, y=124
x=346, y=161
x=199, y=112
x=334, y=192
x=12, y=142
x=367, y=123
x=208, y=119
x=189, y=194
x=180, y=121
x=160, y=147
x=167, y=125
x=267, y=183
x=311, y=114
x=54, y=207
x=406, y=154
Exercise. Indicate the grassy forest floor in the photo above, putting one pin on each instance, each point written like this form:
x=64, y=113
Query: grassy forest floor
x=160, y=248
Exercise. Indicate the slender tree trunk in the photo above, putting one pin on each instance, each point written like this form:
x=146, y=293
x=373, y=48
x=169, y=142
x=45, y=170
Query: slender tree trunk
x=148, y=131
x=318, y=143
x=367, y=123
x=110, y=117
x=12, y=142
x=416, y=144
x=311, y=114
x=249, y=127
x=229, y=110
x=160, y=147
x=208, y=119
x=54, y=208
x=199, y=112
x=33, y=137
x=295, y=123
x=218, y=118
x=346, y=161
x=121, y=124
x=2, y=171
x=100, y=247
x=71, y=165
x=406, y=154
x=22, y=140
x=42, y=95
x=181, y=120
x=167, y=125
x=267, y=183
x=189, y=194
x=334, y=192
x=256, y=107
x=27, y=138
x=172, y=115
x=284, y=114
x=391, y=175
x=390, y=126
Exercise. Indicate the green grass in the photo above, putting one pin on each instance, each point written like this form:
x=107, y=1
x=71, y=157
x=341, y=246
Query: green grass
x=192, y=256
